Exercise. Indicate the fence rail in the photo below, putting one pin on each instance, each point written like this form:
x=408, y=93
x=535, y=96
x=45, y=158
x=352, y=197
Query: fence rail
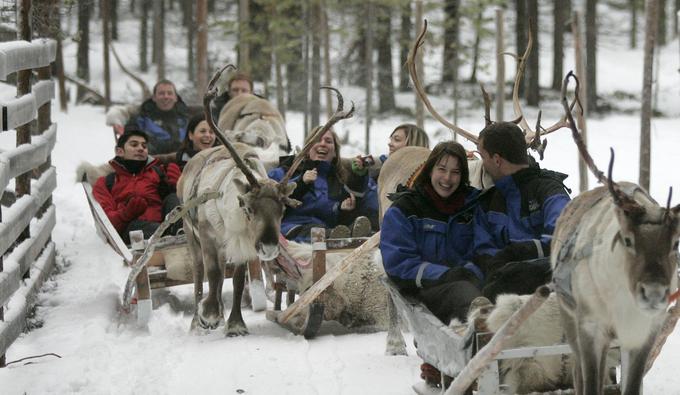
x=27, y=253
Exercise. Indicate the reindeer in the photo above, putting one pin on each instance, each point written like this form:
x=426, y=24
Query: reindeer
x=614, y=257
x=243, y=224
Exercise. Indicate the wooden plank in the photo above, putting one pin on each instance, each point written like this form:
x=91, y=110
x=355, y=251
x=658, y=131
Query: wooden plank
x=24, y=55
x=438, y=344
x=24, y=255
x=26, y=157
x=105, y=228
x=313, y=292
x=19, y=215
x=318, y=239
x=15, y=319
x=43, y=92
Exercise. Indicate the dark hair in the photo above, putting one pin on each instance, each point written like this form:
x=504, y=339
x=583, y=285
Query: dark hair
x=438, y=152
x=340, y=171
x=507, y=140
x=415, y=136
x=129, y=132
x=164, y=82
x=240, y=77
x=191, y=127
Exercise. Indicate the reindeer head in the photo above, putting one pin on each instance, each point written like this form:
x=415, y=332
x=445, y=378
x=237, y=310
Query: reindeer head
x=263, y=207
x=648, y=234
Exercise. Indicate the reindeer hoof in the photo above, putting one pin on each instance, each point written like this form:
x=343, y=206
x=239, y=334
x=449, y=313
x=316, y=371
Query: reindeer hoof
x=236, y=330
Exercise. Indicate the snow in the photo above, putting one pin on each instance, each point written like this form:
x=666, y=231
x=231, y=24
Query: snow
x=77, y=318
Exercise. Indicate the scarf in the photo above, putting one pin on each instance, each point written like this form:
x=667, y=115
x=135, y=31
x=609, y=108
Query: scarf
x=449, y=205
x=131, y=165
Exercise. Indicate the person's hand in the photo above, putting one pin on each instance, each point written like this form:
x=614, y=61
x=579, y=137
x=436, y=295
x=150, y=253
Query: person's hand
x=173, y=172
x=349, y=204
x=309, y=176
x=358, y=167
x=135, y=207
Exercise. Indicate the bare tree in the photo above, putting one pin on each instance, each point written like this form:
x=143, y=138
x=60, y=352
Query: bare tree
x=521, y=34
x=106, y=23
x=633, y=5
x=144, y=35
x=243, y=42
x=661, y=34
x=159, y=38
x=591, y=54
x=83, y=57
x=532, y=88
x=383, y=43
x=404, y=42
x=316, y=19
x=651, y=19
x=420, y=110
x=370, y=11
x=201, y=46
x=327, y=61
x=113, y=15
x=188, y=23
x=451, y=31
x=560, y=13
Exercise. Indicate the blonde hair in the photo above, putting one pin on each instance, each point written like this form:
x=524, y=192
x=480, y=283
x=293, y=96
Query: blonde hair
x=415, y=136
x=340, y=171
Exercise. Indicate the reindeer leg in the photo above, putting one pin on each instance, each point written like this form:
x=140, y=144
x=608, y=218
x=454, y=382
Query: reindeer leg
x=198, y=274
x=569, y=323
x=395, y=340
x=235, y=324
x=633, y=373
x=593, y=344
x=211, y=309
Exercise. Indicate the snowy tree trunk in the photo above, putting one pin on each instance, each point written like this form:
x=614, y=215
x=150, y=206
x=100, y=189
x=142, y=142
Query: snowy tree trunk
x=328, y=81
x=201, y=46
x=500, y=66
x=560, y=13
x=384, y=46
x=581, y=118
x=646, y=111
x=591, y=54
x=533, y=90
x=144, y=36
x=404, y=42
x=83, y=57
x=315, y=105
x=521, y=35
x=369, y=73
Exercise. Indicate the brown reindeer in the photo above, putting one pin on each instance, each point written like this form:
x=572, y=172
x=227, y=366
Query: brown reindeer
x=242, y=224
x=614, y=258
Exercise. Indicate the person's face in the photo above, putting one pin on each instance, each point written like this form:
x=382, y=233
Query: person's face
x=491, y=163
x=165, y=97
x=202, y=136
x=324, y=149
x=397, y=140
x=445, y=177
x=133, y=149
x=238, y=87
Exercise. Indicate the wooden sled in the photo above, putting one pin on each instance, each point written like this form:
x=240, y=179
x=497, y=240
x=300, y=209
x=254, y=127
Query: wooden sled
x=471, y=354
x=305, y=315
x=170, y=264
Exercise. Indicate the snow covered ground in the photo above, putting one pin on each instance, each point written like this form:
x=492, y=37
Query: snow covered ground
x=77, y=311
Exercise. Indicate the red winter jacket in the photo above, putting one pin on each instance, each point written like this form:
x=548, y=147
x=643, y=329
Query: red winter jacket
x=126, y=186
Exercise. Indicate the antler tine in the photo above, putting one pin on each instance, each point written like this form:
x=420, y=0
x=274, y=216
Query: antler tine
x=621, y=199
x=411, y=64
x=337, y=116
x=574, y=131
x=487, y=105
x=207, y=98
x=536, y=144
x=667, y=214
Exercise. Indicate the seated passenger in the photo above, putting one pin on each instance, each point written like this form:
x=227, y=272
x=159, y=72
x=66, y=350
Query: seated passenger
x=515, y=220
x=330, y=195
x=238, y=84
x=404, y=135
x=199, y=137
x=426, y=238
x=139, y=193
x=163, y=118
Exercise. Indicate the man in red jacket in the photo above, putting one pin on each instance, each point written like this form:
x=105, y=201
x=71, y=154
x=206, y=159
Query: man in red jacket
x=139, y=193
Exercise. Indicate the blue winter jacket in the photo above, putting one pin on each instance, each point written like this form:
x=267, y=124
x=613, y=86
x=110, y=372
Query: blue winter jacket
x=419, y=244
x=166, y=129
x=517, y=217
x=320, y=200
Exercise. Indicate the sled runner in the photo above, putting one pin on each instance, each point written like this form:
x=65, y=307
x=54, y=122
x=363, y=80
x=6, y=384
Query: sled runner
x=169, y=265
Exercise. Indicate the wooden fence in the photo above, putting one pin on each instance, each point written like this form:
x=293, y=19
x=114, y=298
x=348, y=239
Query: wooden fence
x=27, y=216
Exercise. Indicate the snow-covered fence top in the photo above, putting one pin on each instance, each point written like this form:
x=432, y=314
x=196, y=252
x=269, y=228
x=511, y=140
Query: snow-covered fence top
x=26, y=252
x=24, y=55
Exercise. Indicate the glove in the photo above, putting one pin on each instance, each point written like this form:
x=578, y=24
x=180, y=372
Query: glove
x=459, y=274
x=520, y=278
x=173, y=172
x=358, y=167
x=135, y=207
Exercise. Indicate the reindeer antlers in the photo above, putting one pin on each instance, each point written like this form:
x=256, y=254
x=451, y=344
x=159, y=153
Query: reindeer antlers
x=411, y=64
x=338, y=115
x=209, y=96
x=621, y=199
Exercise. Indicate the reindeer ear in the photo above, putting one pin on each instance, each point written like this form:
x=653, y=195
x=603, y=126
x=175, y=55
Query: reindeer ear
x=241, y=186
x=286, y=190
